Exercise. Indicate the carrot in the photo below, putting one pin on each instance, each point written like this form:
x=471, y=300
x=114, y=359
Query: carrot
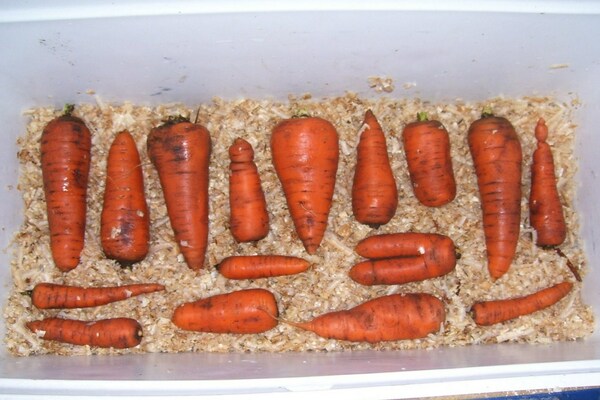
x=497, y=157
x=242, y=311
x=254, y=267
x=437, y=260
x=65, y=157
x=119, y=333
x=180, y=151
x=545, y=210
x=305, y=154
x=392, y=317
x=427, y=148
x=496, y=311
x=404, y=244
x=125, y=222
x=51, y=295
x=374, y=191
x=249, y=220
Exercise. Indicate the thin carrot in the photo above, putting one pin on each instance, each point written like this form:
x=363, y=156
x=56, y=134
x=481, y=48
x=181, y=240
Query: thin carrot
x=374, y=191
x=392, y=317
x=496, y=311
x=180, y=151
x=403, y=244
x=51, y=295
x=119, y=333
x=545, y=210
x=249, y=219
x=65, y=156
x=427, y=148
x=497, y=157
x=261, y=266
x=125, y=221
x=305, y=154
x=242, y=311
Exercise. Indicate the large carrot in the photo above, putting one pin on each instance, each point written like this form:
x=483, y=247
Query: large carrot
x=427, y=148
x=180, y=151
x=374, y=191
x=305, y=154
x=496, y=311
x=545, y=210
x=65, y=156
x=404, y=244
x=392, y=317
x=51, y=295
x=242, y=311
x=119, y=333
x=497, y=157
x=261, y=266
x=125, y=222
x=249, y=219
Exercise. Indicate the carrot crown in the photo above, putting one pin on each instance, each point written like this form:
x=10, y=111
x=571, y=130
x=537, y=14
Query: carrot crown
x=487, y=112
x=422, y=116
x=175, y=119
x=68, y=109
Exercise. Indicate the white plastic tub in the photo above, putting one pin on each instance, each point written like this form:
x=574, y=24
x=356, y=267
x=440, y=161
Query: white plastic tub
x=150, y=52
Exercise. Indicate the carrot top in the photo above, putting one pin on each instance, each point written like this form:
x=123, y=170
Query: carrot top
x=422, y=116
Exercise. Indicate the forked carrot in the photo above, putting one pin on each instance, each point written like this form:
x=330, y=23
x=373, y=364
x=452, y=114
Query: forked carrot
x=374, y=191
x=119, y=333
x=496, y=311
x=261, y=266
x=65, y=157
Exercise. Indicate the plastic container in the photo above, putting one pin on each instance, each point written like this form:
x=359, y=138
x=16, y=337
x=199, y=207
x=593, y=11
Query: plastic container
x=153, y=52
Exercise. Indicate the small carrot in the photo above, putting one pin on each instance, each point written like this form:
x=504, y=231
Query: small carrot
x=261, y=266
x=305, y=153
x=496, y=311
x=545, y=210
x=497, y=158
x=374, y=191
x=249, y=220
x=180, y=151
x=65, y=157
x=51, y=295
x=427, y=148
x=242, y=311
x=119, y=333
x=125, y=222
x=392, y=317
x=404, y=244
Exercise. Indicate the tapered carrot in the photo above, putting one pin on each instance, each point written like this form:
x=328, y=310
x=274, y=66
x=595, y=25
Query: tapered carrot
x=51, y=295
x=305, y=154
x=119, y=333
x=125, y=221
x=545, y=210
x=497, y=157
x=427, y=148
x=392, y=317
x=180, y=151
x=404, y=244
x=261, y=266
x=65, y=156
x=249, y=219
x=374, y=191
x=242, y=311
x=496, y=311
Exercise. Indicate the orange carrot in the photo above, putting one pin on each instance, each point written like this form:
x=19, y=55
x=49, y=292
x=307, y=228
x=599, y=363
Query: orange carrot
x=545, y=210
x=51, y=295
x=65, y=156
x=427, y=148
x=255, y=267
x=119, y=333
x=496, y=311
x=374, y=191
x=404, y=244
x=180, y=151
x=392, y=317
x=243, y=311
x=125, y=222
x=497, y=157
x=249, y=220
x=305, y=154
